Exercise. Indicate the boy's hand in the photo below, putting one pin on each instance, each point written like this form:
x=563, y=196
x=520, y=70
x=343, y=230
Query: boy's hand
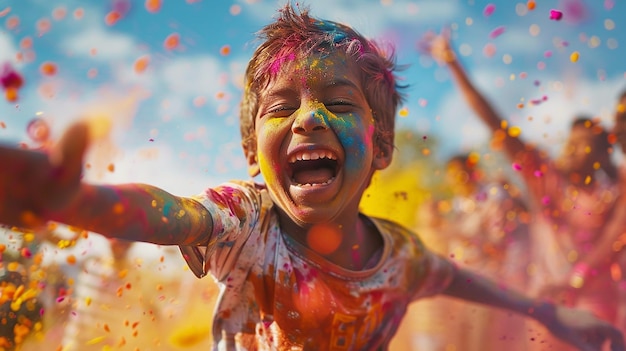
x=582, y=329
x=34, y=184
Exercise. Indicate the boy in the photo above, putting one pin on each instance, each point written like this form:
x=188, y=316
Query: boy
x=299, y=268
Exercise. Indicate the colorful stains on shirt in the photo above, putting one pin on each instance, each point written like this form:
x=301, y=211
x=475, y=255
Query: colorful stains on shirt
x=278, y=294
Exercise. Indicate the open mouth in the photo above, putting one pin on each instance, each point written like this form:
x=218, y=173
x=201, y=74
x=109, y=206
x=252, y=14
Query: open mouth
x=309, y=168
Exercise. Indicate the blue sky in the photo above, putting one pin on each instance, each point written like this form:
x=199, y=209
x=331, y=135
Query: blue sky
x=176, y=124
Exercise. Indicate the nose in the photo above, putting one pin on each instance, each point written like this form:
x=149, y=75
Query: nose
x=310, y=120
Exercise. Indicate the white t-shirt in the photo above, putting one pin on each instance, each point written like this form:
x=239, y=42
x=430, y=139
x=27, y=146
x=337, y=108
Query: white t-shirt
x=276, y=294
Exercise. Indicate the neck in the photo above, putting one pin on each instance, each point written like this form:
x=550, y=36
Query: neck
x=349, y=245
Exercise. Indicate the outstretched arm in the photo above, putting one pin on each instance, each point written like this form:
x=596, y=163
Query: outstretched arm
x=38, y=187
x=577, y=327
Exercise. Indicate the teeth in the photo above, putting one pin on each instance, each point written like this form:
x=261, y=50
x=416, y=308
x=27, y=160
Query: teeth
x=309, y=184
x=311, y=155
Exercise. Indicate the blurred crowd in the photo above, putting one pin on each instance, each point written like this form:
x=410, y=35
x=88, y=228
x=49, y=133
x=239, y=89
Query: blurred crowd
x=554, y=228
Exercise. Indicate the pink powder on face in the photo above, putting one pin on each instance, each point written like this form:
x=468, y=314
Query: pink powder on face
x=370, y=134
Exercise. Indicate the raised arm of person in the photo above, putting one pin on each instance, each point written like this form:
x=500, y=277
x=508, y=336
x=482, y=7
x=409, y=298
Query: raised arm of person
x=525, y=155
x=37, y=187
x=576, y=327
x=438, y=46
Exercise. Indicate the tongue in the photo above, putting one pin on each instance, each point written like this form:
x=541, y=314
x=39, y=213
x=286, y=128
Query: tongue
x=313, y=176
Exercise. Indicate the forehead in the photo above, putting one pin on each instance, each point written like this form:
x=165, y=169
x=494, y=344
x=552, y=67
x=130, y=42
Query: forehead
x=581, y=132
x=319, y=69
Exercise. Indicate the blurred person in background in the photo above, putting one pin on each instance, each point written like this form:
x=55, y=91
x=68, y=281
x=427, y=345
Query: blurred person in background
x=614, y=238
x=480, y=222
x=485, y=224
x=572, y=197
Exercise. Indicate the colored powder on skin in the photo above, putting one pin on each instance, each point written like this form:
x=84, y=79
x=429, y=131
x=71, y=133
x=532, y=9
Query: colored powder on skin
x=264, y=166
x=344, y=127
x=166, y=208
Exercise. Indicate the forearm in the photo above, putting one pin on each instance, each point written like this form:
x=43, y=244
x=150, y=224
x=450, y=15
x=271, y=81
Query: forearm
x=136, y=212
x=475, y=288
x=473, y=97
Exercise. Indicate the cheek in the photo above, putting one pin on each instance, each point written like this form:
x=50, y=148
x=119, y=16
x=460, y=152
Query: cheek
x=269, y=139
x=264, y=165
x=352, y=136
x=369, y=136
x=271, y=129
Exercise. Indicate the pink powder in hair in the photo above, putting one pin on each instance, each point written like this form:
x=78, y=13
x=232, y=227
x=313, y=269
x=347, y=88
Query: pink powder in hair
x=277, y=64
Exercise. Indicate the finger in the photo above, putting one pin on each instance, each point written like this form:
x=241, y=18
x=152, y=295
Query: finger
x=67, y=156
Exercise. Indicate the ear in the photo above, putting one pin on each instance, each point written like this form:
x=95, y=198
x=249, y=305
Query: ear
x=383, y=154
x=253, y=163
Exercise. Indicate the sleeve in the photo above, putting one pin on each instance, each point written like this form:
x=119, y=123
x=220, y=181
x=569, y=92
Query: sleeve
x=235, y=211
x=437, y=275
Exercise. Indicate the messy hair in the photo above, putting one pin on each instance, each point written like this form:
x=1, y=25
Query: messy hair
x=296, y=34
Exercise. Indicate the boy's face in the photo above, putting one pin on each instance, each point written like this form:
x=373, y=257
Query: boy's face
x=315, y=140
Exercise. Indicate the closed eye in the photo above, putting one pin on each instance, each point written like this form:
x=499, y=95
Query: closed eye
x=339, y=106
x=280, y=111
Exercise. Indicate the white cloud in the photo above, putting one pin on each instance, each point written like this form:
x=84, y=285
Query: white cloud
x=8, y=49
x=193, y=76
x=107, y=45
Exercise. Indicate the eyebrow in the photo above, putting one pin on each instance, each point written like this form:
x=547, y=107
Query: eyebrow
x=281, y=92
x=343, y=82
